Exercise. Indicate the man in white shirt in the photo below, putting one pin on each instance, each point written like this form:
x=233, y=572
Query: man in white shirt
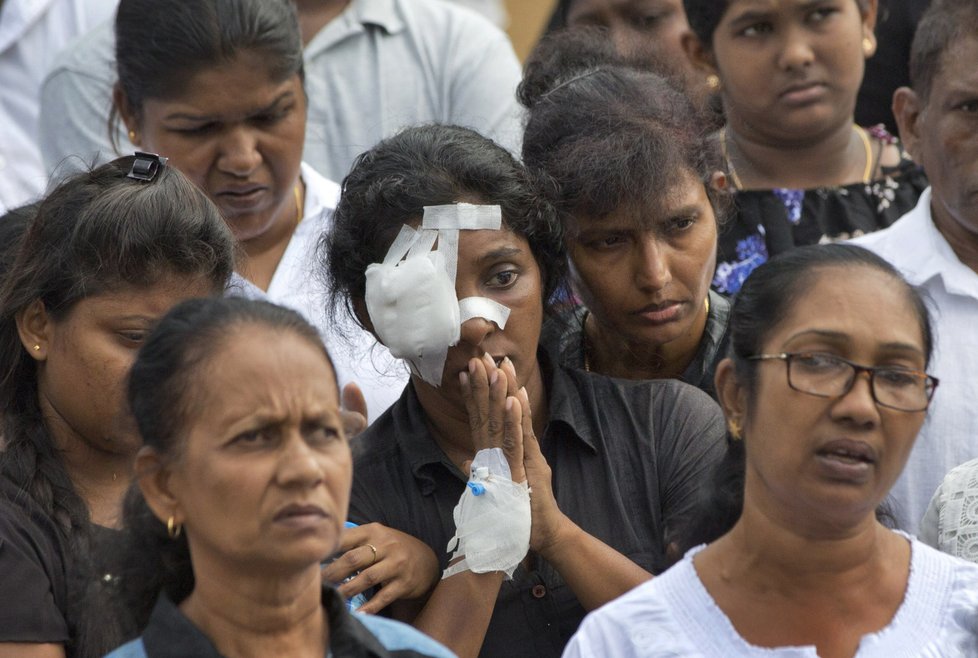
x=936, y=244
x=372, y=67
x=32, y=32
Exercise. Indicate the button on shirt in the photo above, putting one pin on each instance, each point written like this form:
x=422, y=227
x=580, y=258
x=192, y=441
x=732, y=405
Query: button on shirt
x=628, y=460
x=950, y=434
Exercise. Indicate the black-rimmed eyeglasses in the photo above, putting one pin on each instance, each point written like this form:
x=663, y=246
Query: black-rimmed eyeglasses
x=830, y=376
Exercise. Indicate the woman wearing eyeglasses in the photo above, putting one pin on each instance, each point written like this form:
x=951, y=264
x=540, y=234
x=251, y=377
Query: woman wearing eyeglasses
x=824, y=393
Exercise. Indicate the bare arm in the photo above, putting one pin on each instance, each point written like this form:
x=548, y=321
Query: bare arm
x=31, y=650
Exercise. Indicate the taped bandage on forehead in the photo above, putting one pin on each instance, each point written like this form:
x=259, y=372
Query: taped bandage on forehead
x=411, y=297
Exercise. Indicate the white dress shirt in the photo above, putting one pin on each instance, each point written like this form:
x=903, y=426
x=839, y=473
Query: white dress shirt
x=950, y=434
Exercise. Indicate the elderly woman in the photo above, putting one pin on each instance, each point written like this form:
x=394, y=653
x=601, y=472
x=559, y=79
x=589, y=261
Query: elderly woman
x=244, y=481
x=614, y=466
x=823, y=402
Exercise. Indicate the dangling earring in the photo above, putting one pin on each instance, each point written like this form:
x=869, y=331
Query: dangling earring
x=713, y=82
x=733, y=427
x=868, y=46
x=173, y=529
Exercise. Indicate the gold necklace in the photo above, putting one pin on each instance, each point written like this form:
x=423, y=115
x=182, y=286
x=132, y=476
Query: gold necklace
x=863, y=137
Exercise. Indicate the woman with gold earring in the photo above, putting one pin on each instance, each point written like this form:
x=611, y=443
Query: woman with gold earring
x=803, y=171
x=96, y=264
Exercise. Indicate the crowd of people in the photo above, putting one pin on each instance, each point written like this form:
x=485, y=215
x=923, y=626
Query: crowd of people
x=329, y=330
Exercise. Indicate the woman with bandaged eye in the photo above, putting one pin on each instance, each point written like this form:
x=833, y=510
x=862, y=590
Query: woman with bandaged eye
x=444, y=250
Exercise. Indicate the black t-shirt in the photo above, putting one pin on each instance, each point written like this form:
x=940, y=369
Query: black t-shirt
x=628, y=460
x=33, y=588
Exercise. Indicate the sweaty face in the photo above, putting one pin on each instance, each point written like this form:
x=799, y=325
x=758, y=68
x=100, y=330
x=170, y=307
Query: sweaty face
x=81, y=379
x=946, y=142
x=238, y=134
x=645, y=273
x=833, y=458
x=790, y=69
x=263, y=477
x=638, y=26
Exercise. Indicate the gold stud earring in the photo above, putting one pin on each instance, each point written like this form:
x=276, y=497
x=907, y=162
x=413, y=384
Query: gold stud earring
x=868, y=46
x=713, y=82
x=733, y=427
x=37, y=348
x=132, y=136
x=173, y=528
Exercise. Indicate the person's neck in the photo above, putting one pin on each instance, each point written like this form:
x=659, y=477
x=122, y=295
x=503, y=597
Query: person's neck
x=249, y=612
x=314, y=15
x=449, y=422
x=609, y=353
x=99, y=476
x=963, y=242
x=798, y=550
x=837, y=157
x=264, y=252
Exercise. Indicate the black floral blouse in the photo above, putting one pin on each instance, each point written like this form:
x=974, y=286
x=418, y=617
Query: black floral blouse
x=767, y=222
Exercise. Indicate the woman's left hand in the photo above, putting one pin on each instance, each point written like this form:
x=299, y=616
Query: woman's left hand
x=548, y=521
x=403, y=567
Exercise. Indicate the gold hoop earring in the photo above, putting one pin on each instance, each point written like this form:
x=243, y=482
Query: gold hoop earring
x=868, y=46
x=713, y=82
x=173, y=529
x=733, y=427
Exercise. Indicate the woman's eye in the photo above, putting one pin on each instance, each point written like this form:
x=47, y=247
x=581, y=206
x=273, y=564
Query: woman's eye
x=503, y=279
x=195, y=130
x=969, y=106
x=320, y=434
x=899, y=378
x=817, y=361
x=757, y=29
x=134, y=337
x=252, y=437
x=607, y=242
x=821, y=14
x=682, y=223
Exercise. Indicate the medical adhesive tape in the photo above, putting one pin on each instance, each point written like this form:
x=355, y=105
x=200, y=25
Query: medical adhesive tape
x=483, y=307
x=458, y=216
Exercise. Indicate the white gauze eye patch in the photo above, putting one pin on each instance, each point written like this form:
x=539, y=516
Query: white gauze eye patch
x=411, y=296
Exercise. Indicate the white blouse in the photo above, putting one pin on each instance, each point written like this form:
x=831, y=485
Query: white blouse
x=951, y=521
x=674, y=615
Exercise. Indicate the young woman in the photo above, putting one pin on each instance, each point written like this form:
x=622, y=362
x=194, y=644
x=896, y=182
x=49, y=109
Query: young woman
x=617, y=464
x=218, y=89
x=823, y=403
x=636, y=182
x=243, y=486
x=104, y=258
x=788, y=73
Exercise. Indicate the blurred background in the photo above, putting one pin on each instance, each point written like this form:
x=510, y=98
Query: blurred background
x=527, y=19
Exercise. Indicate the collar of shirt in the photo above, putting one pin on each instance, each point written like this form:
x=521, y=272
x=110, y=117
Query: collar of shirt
x=566, y=404
x=360, y=15
x=921, y=252
x=170, y=634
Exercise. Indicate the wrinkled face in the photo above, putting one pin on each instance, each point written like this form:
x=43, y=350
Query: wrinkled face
x=500, y=266
x=833, y=458
x=791, y=69
x=238, y=134
x=946, y=141
x=637, y=26
x=83, y=365
x=645, y=274
x=263, y=477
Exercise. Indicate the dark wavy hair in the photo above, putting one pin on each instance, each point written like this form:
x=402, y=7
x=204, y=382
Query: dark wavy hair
x=391, y=184
x=96, y=232
x=942, y=26
x=767, y=297
x=163, y=395
x=601, y=138
x=705, y=15
x=161, y=44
